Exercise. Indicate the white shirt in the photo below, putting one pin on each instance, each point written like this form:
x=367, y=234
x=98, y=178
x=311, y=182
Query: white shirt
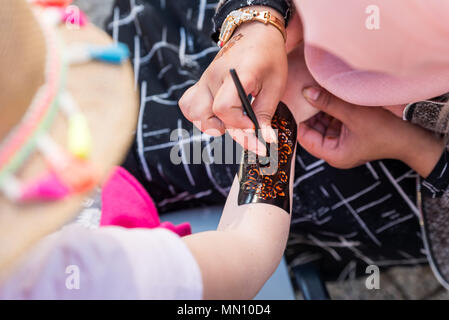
x=106, y=263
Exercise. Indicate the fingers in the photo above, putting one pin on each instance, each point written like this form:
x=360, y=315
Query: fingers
x=196, y=105
x=248, y=140
x=320, y=136
x=188, y=100
x=215, y=111
x=322, y=147
x=311, y=140
x=332, y=136
x=325, y=124
x=326, y=102
x=227, y=105
x=334, y=128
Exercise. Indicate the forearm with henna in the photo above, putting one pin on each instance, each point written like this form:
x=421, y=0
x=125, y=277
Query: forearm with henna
x=238, y=258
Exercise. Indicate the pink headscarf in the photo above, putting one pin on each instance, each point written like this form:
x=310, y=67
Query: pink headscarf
x=405, y=60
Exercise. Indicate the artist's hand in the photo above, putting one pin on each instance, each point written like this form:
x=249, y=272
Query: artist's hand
x=258, y=53
x=346, y=135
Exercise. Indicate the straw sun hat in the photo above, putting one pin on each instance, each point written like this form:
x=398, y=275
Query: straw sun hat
x=64, y=122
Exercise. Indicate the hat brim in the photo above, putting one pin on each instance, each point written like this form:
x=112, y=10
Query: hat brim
x=106, y=95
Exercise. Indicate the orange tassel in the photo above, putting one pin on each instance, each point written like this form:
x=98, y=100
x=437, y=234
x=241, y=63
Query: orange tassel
x=53, y=3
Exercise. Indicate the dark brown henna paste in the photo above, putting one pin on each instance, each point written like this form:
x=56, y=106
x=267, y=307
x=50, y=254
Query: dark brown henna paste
x=259, y=182
x=229, y=45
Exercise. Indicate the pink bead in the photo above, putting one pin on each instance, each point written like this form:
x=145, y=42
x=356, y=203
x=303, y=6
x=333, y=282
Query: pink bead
x=74, y=17
x=183, y=229
x=126, y=203
x=46, y=188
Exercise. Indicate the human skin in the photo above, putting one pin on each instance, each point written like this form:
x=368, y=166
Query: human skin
x=241, y=255
x=251, y=238
x=347, y=135
x=258, y=53
x=237, y=259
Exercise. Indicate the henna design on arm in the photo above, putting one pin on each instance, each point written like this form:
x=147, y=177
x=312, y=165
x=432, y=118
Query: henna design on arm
x=262, y=183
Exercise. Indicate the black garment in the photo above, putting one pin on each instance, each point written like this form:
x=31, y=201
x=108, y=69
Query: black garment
x=342, y=219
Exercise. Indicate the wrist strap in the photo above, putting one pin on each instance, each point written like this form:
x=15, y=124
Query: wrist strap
x=283, y=7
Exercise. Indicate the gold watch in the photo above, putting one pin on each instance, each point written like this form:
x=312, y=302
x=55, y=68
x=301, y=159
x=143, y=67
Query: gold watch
x=238, y=17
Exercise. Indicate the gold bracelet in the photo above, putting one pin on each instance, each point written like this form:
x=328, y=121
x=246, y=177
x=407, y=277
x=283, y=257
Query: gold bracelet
x=238, y=17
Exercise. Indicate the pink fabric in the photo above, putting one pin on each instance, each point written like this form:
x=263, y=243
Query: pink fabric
x=112, y=263
x=125, y=203
x=70, y=17
x=46, y=188
x=405, y=60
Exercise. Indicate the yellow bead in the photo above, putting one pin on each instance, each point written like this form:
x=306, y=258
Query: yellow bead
x=79, y=138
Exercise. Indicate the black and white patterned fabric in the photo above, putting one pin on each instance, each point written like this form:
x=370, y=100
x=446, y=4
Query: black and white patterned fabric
x=343, y=220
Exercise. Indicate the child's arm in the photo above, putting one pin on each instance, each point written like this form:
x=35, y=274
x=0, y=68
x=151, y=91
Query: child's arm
x=240, y=256
x=285, y=7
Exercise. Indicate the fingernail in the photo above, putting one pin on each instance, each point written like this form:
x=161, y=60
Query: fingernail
x=269, y=135
x=250, y=131
x=261, y=149
x=312, y=93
